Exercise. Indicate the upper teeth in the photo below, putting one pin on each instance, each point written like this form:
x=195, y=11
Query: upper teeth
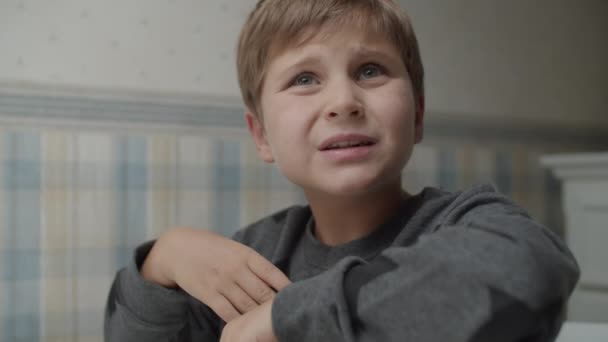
x=343, y=144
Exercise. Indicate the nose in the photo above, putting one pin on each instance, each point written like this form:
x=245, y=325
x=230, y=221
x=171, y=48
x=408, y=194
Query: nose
x=344, y=101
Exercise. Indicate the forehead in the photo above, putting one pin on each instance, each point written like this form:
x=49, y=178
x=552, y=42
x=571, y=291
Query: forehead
x=352, y=39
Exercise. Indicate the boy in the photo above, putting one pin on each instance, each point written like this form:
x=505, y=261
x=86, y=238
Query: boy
x=334, y=91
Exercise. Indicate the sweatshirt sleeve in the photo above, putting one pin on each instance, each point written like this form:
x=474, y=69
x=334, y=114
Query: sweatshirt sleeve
x=139, y=310
x=485, y=272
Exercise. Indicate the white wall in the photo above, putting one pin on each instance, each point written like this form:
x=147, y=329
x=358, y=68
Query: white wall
x=167, y=45
x=542, y=59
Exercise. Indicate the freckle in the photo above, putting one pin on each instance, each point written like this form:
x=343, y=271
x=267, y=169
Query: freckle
x=84, y=14
x=143, y=22
x=115, y=44
x=52, y=37
x=20, y=62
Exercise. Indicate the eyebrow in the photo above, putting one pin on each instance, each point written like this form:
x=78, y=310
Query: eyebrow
x=365, y=52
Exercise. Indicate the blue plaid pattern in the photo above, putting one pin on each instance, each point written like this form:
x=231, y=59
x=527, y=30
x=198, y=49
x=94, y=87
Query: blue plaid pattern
x=75, y=203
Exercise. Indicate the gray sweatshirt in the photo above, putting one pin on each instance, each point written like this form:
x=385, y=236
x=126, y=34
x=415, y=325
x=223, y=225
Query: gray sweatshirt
x=467, y=266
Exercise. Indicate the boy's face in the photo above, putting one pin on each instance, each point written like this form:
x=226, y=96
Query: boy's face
x=339, y=115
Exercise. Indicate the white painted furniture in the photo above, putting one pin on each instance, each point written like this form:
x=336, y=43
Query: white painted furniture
x=583, y=332
x=585, y=201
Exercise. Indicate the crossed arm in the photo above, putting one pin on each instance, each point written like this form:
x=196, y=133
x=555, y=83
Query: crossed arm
x=490, y=274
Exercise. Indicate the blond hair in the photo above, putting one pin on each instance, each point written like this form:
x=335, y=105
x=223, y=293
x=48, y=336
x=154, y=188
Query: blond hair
x=275, y=25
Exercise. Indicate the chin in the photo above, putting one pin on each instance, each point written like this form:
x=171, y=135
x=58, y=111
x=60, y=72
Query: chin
x=348, y=183
x=353, y=187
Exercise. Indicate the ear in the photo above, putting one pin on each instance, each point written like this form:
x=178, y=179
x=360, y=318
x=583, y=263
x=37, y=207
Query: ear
x=419, y=120
x=256, y=129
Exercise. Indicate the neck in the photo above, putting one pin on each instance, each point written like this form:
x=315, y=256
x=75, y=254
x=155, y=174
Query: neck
x=339, y=220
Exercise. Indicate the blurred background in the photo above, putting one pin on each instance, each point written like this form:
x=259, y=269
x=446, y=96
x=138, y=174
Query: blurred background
x=121, y=119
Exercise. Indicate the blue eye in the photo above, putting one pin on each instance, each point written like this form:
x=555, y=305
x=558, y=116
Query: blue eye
x=305, y=79
x=370, y=71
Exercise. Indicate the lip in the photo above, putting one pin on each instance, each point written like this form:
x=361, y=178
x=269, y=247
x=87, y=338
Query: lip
x=353, y=154
x=338, y=138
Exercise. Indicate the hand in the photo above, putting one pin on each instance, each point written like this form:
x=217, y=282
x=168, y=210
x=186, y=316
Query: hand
x=230, y=278
x=255, y=326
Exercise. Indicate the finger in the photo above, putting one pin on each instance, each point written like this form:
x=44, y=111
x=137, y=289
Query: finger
x=223, y=308
x=266, y=271
x=226, y=334
x=213, y=299
x=257, y=289
x=229, y=333
x=239, y=299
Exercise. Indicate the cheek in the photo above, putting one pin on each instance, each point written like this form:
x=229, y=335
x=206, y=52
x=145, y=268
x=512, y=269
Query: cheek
x=395, y=101
x=398, y=116
x=286, y=131
x=291, y=117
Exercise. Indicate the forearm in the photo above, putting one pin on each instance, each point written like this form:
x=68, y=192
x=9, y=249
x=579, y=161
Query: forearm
x=139, y=310
x=183, y=286
x=151, y=268
x=463, y=284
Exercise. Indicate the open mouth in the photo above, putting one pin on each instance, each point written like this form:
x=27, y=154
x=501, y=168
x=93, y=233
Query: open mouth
x=347, y=144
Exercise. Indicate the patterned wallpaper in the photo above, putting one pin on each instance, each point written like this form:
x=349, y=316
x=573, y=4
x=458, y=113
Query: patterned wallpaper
x=181, y=45
x=83, y=181
x=477, y=62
